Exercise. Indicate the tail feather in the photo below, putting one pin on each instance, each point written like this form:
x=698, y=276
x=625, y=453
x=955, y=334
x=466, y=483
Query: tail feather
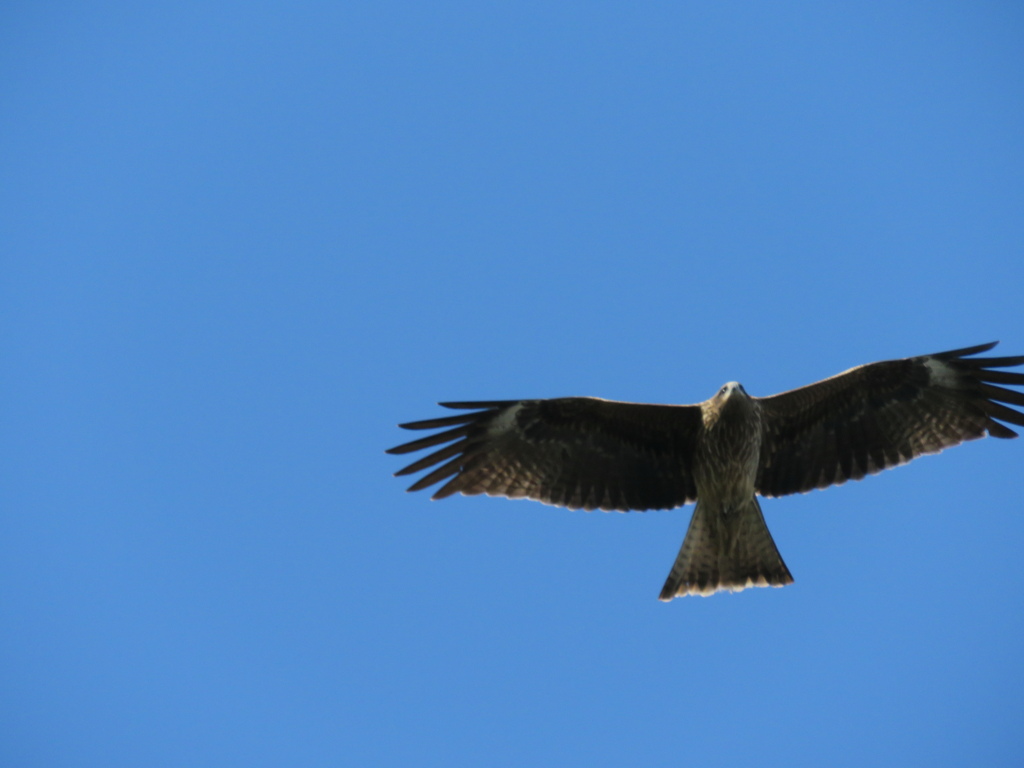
x=723, y=550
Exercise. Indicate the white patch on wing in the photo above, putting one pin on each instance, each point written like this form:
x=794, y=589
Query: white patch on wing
x=505, y=420
x=942, y=374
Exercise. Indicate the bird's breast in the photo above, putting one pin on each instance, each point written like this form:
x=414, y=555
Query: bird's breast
x=727, y=458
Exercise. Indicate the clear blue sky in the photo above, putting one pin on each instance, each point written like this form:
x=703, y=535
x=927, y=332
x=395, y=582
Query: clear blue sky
x=239, y=242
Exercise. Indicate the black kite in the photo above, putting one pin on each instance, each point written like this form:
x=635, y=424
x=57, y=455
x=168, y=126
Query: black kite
x=588, y=453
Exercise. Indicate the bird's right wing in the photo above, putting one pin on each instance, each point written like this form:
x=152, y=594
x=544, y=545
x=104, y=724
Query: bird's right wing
x=577, y=452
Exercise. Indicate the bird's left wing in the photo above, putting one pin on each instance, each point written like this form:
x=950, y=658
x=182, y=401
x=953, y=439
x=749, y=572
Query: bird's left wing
x=884, y=414
x=577, y=452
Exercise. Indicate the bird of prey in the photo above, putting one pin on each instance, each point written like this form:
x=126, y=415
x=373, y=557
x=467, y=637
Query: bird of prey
x=588, y=453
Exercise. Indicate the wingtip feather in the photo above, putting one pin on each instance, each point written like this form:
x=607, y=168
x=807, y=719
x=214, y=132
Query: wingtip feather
x=964, y=351
x=1001, y=431
x=477, y=405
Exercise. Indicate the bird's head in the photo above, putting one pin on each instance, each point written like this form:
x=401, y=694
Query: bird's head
x=731, y=399
x=730, y=390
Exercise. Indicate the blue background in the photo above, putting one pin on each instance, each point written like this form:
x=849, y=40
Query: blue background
x=240, y=241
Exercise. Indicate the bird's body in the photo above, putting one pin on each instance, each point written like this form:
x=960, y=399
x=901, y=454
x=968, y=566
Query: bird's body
x=727, y=543
x=590, y=453
x=728, y=449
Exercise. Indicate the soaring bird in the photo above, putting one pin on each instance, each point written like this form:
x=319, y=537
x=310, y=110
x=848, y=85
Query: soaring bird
x=589, y=453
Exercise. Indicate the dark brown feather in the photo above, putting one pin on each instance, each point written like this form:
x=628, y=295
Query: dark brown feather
x=1001, y=377
x=433, y=458
x=426, y=442
x=1001, y=394
x=881, y=415
x=576, y=452
x=1003, y=413
x=476, y=405
x=436, y=476
x=992, y=362
x=963, y=352
x=446, y=421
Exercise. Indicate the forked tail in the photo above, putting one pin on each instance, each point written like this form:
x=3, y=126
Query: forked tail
x=726, y=549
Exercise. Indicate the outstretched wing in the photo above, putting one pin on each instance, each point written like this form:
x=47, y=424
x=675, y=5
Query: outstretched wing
x=577, y=452
x=884, y=414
